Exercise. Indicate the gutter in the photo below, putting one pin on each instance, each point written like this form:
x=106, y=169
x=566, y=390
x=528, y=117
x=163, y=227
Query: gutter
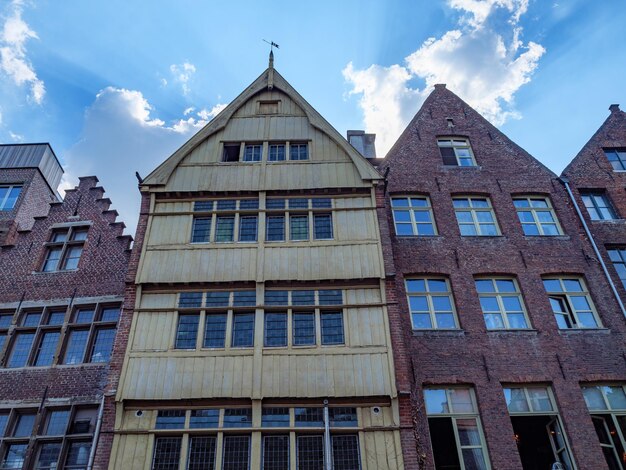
x=96, y=435
x=565, y=182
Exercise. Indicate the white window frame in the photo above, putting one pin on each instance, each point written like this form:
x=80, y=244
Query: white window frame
x=411, y=209
x=473, y=210
x=564, y=297
x=458, y=143
x=500, y=296
x=429, y=299
x=4, y=200
x=535, y=211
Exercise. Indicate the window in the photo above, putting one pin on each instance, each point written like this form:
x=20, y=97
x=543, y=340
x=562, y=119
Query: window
x=618, y=257
x=310, y=451
x=8, y=196
x=204, y=418
x=430, y=303
x=276, y=153
x=230, y=220
x=243, y=330
x=537, y=427
x=346, y=452
x=455, y=430
x=64, y=249
x=252, y=153
x=56, y=444
x=166, y=453
x=275, y=329
x=298, y=151
x=413, y=216
x=332, y=328
x=187, y=331
x=537, y=216
x=456, y=152
x=598, y=205
x=276, y=452
x=202, y=453
x=305, y=216
x=238, y=418
x=170, y=419
x=571, y=303
x=475, y=216
x=617, y=158
x=236, y=453
x=269, y=107
x=231, y=152
x=607, y=405
x=275, y=417
x=501, y=303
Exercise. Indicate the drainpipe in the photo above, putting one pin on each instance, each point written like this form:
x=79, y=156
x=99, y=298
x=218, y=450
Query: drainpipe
x=96, y=435
x=328, y=459
x=565, y=181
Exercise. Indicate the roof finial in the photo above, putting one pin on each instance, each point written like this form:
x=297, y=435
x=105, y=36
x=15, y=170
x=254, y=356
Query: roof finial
x=270, y=74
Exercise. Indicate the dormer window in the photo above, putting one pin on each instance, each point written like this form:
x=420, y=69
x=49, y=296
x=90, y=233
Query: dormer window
x=456, y=152
x=64, y=249
x=252, y=153
x=231, y=152
x=298, y=151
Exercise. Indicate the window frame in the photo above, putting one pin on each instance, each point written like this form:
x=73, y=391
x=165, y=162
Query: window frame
x=592, y=195
x=291, y=147
x=476, y=224
x=618, y=153
x=325, y=208
x=617, y=255
x=564, y=297
x=534, y=211
x=412, y=209
x=499, y=299
x=429, y=295
x=65, y=246
x=457, y=142
x=214, y=214
x=454, y=415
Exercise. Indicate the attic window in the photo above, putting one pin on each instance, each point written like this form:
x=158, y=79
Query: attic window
x=231, y=152
x=268, y=107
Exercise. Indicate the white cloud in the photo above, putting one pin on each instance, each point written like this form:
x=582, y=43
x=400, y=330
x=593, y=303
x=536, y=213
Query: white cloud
x=182, y=74
x=120, y=136
x=16, y=137
x=485, y=64
x=13, y=61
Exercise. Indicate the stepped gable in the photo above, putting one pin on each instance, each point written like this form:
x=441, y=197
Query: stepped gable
x=103, y=263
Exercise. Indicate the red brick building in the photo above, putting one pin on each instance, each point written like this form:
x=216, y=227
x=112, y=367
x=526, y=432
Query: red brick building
x=61, y=289
x=503, y=323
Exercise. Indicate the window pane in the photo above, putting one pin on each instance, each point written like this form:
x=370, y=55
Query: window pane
x=52, y=259
x=47, y=348
x=48, y=456
x=468, y=432
x=72, y=256
x=321, y=202
x=244, y=298
x=248, y=228
x=399, y=202
x=593, y=398
x=187, y=331
x=346, y=452
x=215, y=330
x=238, y=418
x=275, y=329
x=4, y=419
x=110, y=314
x=342, y=417
x=445, y=320
x=201, y=230
x=236, y=453
x=84, y=316
x=24, y=425
x=539, y=399
x=422, y=321
x=217, y=299
x=243, y=330
x=276, y=453
x=323, y=225
x=461, y=400
x=170, y=419
x=276, y=153
x=303, y=297
x=103, y=344
x=310, y=452
x=57, y=422
x=11, y=199
x=31, y=319
x=14, y=456
x=275, y=203
x=436, y=401
x=275, y=417
x=226, y=204
x=202, y=453
x=303, y=329
x=616, y=397
x=332, y=328
x=166, y=453
x=309, y=417
x=252, y=153
x=202, y=206
x=5, y=320
x=276, y=297
x=298, y=152
x=494, y=321
x=299, y=227
x=21, y=349
x=298, y=203
x=275, y=228
x=516, y=400
x=474, y=459
x=75, y=350
x=224, y=229
x=204, y=418
x=330, y=297
x=437, y=285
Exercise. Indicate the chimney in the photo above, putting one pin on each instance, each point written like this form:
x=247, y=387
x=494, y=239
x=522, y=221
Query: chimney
x=364, y=143
x=614, y=108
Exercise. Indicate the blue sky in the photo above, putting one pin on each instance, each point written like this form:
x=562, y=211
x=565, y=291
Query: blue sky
x=117, y=86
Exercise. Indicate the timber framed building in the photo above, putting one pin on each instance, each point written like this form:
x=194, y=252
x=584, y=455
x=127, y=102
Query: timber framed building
x=259, y=334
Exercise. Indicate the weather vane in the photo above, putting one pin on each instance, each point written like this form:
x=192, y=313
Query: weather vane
x=272, y=45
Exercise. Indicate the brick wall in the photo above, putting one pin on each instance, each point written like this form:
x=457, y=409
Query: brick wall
x=472, y=355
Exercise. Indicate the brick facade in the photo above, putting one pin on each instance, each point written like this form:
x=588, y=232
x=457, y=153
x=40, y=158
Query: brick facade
x=471, y=355
x=98, y=280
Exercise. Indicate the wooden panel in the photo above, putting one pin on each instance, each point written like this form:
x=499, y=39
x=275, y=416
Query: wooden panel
x=382, y=450
x=184, y=206
x=365, y=327
x=363, y=296
x=217, y=265
x=288, y=106
x=323, y=262
x=170, y=229
x=355, y=225
x=130, y=451
x=158, y=301
x=153, y=331
x=192, y=377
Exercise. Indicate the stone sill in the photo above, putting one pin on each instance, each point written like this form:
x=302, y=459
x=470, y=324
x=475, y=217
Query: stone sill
x=513, y=331
x=450, y=333
x=582, y=331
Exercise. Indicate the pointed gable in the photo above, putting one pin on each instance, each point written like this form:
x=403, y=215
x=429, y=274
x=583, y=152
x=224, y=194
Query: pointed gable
x=444, y=115
x=269, y=110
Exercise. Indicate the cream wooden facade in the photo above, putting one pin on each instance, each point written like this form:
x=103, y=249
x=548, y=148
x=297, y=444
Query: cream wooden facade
x=358, y=373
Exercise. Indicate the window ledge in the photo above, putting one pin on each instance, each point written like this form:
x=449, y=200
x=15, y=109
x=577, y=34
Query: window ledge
x=434, y=332
x=419, y=237
x=478, y=237
x=577, y=331
x=513, y=331
x=547, y=237
x=54, y=272
x=474, y=167
x=610, y=221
